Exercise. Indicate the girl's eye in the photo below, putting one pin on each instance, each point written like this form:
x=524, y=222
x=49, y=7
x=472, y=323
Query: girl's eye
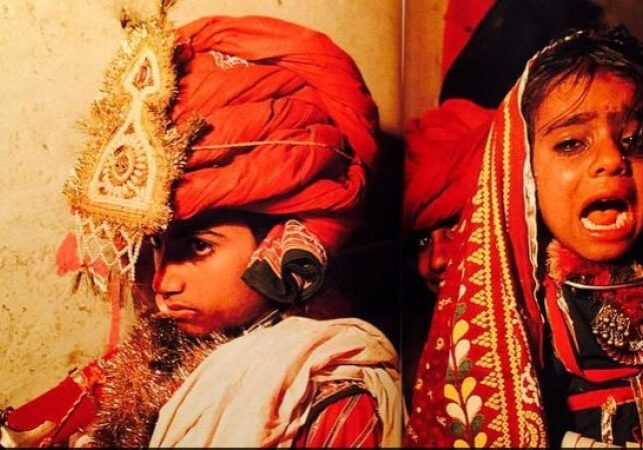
x=199, y=247
x=569, y=146
x=633, y=144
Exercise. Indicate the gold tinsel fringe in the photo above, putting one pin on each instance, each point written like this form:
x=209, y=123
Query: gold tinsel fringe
x=144, y=373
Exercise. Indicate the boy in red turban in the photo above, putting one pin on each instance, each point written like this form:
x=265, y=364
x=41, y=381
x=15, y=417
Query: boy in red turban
x=239, y=149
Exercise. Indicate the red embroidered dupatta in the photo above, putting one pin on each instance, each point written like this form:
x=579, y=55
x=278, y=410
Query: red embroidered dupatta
x=476, y=383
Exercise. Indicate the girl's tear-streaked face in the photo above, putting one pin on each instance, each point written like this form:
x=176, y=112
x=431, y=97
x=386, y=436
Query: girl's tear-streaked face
x=589, y=175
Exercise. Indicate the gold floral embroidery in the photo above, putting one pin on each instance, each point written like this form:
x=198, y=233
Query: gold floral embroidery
x=463, y=407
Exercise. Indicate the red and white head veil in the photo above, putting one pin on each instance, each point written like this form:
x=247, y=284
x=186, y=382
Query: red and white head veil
x=476, y=383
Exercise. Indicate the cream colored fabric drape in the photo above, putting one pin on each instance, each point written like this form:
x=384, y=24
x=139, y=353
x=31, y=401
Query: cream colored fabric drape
x=256, y=390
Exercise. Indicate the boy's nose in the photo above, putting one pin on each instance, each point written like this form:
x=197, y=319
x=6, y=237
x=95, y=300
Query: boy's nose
x=440, y=241
x=167, y=280
x=439, y=258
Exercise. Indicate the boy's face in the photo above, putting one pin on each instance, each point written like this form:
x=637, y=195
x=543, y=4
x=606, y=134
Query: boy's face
x=590, y=195
x=433, y=257
x=198, y=278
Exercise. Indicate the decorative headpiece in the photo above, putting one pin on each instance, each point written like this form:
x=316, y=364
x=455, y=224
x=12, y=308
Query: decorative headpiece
x=120, y=189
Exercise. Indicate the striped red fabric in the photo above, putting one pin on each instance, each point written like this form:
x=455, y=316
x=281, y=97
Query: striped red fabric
x=348, y=422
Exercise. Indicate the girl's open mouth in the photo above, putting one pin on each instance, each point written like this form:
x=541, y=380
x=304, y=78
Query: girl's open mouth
x=609, y=214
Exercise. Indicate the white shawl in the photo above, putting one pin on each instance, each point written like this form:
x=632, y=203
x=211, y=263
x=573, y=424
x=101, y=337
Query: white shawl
x=256, y=391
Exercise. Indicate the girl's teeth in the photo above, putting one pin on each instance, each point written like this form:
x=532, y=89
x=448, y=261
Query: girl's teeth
x=621, y=220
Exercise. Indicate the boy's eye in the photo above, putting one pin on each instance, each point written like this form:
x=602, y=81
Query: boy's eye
x=200, y=247
x=424, y=240
x=569, y=146
x=155, y=242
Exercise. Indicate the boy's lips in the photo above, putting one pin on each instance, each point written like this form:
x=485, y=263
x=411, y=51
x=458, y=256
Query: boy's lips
x=434, y=282
x=175, y=311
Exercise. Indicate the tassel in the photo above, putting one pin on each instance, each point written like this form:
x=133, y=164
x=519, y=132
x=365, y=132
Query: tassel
x=115, y=295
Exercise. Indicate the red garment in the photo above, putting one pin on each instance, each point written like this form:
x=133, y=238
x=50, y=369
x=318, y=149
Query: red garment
x=442, y=162
x=350, y=422
x=461, y=20
x=69, y=406
x=477, y=383
x=298, y=86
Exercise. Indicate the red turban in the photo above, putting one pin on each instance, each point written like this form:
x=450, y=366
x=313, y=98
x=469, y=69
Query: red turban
x=261, y=79
x=442, y=162
x=290, y=133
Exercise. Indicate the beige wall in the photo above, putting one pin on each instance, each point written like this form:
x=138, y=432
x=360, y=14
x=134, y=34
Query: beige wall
x=52, y=57
x=423, y=29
